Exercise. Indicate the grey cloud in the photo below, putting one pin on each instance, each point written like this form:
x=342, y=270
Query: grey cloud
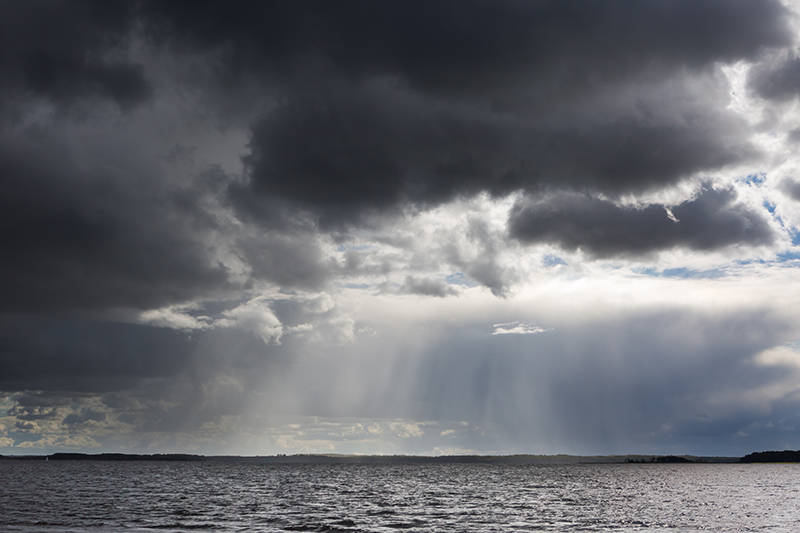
x=792, y=188
x=94, y=231
x=37, y=405
x=24, y=426
x=70, y=51
x=483, y=265
x=710, y=221
x=69, y=355
x=371, y=117
x=82, y=417
x=32, y=412
x=468, y=47
x=157, y=379
x=367, y=121
x=290, y=259
x=355, y=150
x=776, y=79
x=527, y=87
x=793, y=135
x=38, y=353
x=427, y=287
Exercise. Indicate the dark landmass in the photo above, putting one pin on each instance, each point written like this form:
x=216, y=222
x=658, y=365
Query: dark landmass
x=786, y=456
x=522, y=459
x=676, y=459
x=107, y=457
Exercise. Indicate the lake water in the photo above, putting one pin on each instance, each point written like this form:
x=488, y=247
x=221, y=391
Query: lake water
x=78, y=496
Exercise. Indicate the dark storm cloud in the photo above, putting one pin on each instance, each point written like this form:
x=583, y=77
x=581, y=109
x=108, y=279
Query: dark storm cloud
x=66, y=353
x=469, y=46
x=501, y=96
x=576, y=221
x=377, y=148
x=369, y=117
x=94, y=228
x=778, y=79
x=158, y=379
x=67, y=51
x=351, y=149
x=38, y=353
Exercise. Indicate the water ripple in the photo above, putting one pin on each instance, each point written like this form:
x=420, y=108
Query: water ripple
x=75, y=496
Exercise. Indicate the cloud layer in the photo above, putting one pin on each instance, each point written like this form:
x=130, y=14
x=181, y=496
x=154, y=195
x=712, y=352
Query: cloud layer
x=398, y=227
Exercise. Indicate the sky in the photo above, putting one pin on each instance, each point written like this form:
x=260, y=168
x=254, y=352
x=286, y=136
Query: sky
x=399, y=227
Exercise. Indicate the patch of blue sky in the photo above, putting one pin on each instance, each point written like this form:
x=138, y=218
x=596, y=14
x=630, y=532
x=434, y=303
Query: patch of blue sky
x=795, y=235
x=794, y=232
x=756, y=180
x=23, y=436
x=751, y=262
x=688, y=273
x=780, y=257
x=789, y=255
x=769, y=206
x=682, y=273
x=552, y=260
x=460, y=279
x=647, y=271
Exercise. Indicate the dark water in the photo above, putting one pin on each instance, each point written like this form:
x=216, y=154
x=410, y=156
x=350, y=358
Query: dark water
x=171, y=496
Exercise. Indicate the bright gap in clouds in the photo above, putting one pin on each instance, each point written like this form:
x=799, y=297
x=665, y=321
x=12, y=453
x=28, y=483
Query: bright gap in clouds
x=516, y=328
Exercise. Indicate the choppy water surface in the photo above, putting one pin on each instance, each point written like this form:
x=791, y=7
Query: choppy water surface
x=217, y=496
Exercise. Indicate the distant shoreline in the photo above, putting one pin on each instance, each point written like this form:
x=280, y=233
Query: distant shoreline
x=785, y=456
x=518, y=459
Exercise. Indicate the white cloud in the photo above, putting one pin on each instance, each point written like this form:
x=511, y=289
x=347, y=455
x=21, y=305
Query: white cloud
x=176, y=317
x=787, y=355
x=300, y=328
x=671, y=215
x=254, y=316
x=517, y=328
x=406, y=430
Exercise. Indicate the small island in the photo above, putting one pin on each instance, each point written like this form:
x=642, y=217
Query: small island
x=785, y=456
